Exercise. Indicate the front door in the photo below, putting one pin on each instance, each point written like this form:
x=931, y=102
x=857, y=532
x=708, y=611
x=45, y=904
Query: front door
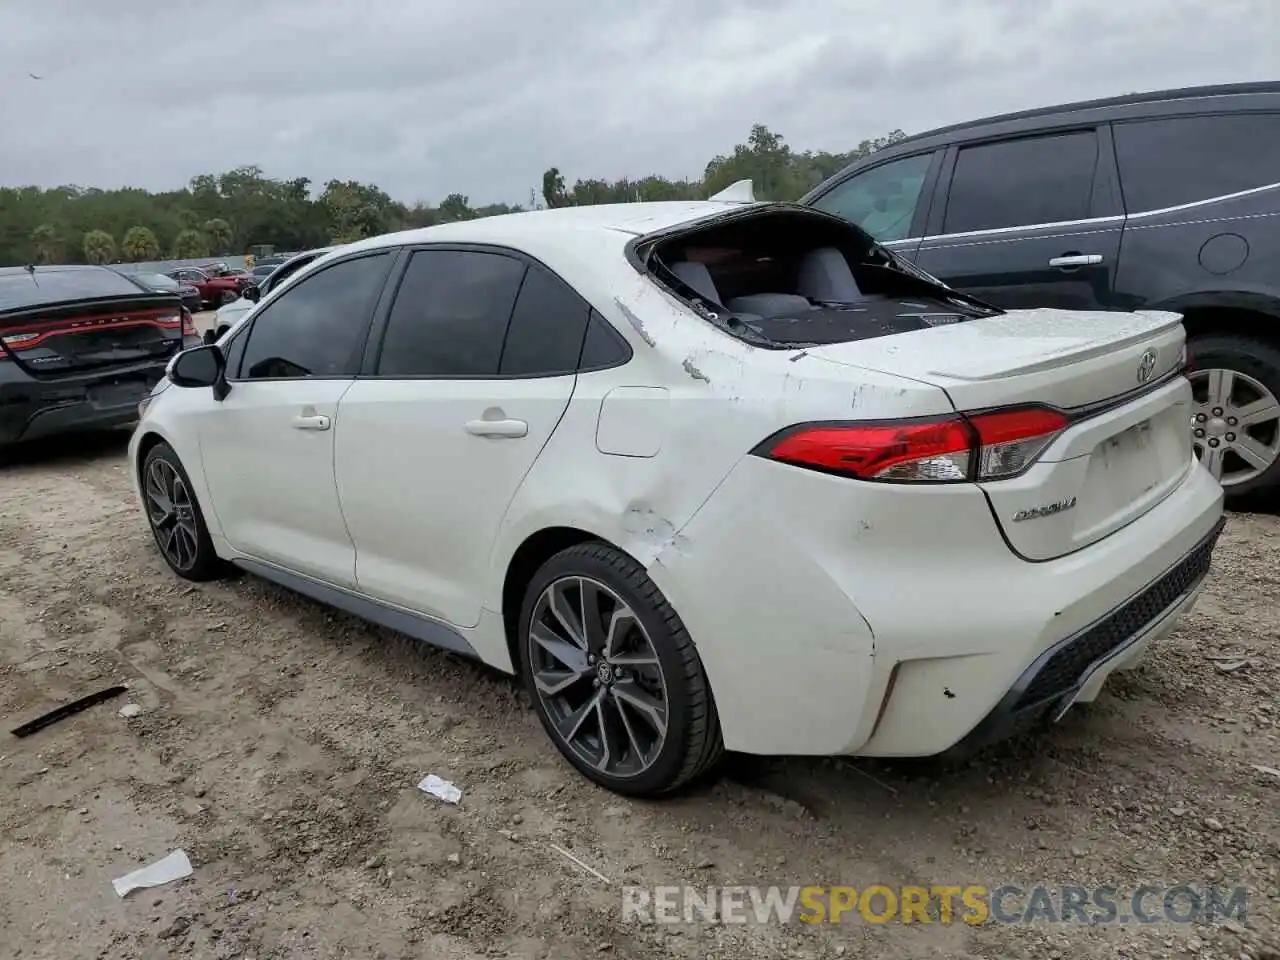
x=268, y=446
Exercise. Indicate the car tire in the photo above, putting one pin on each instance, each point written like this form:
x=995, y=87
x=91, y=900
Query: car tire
x=179, y=531
x=1254, y=366
x=638, y=719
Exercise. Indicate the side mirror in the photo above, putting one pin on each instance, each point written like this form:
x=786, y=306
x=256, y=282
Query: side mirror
x=252, y=292
x=198, y=367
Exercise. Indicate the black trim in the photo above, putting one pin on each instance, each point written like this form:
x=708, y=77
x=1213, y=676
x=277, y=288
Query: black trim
x=1012, y=715
x=415, y=625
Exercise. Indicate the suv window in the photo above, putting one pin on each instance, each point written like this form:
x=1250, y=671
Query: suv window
x=1016, y=183
x=450, y=315
x=1165, y=163
x=881, y=200
x=316, y=329
x=547, y=327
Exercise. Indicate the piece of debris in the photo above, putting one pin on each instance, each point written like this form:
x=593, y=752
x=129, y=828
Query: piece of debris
x=130, y=710
x=1269, y=771
x=454, y=858
x=173, y=867
x=1213, y=824
x=1230, y=666
x=569, y=856
x=177, y=928
x=441, y=789
x=67, y=710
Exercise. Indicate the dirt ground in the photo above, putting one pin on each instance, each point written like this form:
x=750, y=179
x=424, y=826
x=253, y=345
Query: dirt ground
x=279, y=744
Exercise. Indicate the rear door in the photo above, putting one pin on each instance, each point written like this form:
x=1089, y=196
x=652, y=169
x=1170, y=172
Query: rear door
x=476, y=365
x=1031, y=221
x=889, y=200
x=268, y=447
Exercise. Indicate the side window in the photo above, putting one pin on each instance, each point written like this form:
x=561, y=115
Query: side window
x=881, y=200
x=318, y=328
x=282, y=273
x=546, y=330
x=450, y=315
x=603, y=346
x=1166, y=163
x=1018, y=183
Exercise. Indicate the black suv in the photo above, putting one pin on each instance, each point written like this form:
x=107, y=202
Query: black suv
x=1159, y=201
x=80, y=347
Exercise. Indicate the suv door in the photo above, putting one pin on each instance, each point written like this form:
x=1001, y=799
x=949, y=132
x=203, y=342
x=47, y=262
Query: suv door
x=885, y=199
x=476, y=365
x=1033, y=221
x=268, y=446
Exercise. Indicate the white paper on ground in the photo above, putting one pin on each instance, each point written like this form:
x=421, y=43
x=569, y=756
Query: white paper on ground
x=442, y=789
x=173, y=867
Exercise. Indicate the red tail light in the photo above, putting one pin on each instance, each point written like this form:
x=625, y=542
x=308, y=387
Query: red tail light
x=188, y=324
x=956, y=449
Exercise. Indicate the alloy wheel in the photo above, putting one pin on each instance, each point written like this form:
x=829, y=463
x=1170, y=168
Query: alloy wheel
x=1235, y=425
x=598, y=676
x=172, y=514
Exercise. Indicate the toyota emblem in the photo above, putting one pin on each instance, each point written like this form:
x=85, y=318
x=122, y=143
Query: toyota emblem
x=1146, y=366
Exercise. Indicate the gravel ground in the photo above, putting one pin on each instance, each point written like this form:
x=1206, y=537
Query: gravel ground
x=279, y=744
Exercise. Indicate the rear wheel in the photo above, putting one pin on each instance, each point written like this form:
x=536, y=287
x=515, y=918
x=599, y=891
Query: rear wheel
x=176, y=521
x=614, y=675
x=1235, y=427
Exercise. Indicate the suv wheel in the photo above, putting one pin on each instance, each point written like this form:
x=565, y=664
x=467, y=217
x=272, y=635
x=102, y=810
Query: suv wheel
x=176, y=521
x=614, y=675
x=1236, y=415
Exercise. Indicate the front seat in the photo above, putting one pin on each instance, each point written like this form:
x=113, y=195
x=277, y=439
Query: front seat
x=825, y=276
x=697, y=276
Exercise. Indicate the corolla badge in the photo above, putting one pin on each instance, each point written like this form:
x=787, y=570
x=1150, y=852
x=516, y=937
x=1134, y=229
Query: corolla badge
x=1146, y=366
x=1045, y=510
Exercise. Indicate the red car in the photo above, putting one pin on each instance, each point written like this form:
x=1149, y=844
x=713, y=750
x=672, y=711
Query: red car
x=214, y=290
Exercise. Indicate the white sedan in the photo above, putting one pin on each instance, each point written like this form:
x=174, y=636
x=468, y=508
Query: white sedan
x=706, y=475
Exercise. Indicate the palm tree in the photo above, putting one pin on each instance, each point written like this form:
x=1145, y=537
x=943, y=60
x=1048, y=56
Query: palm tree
x=47, y=242
x=99, y=247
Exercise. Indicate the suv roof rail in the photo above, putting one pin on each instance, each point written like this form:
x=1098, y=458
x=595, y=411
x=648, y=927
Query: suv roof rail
x=1151, y=96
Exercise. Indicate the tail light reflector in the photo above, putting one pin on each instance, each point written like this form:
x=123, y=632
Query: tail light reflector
x=188, y=323
x=956, y=449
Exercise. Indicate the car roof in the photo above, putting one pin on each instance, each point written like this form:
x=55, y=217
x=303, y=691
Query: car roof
x=21, y=287
x=542, y=228
x=1224, y=97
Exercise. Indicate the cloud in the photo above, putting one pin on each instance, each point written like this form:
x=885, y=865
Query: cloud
x=425, y=99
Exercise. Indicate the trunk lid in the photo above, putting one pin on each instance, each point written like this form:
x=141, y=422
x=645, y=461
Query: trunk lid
x=96, y=334
x=1128, y=445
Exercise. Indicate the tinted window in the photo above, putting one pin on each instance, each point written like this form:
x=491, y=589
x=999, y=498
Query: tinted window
x=1022, y=182
x=546, y=329
x=603, y=346
x=317, y=329
x=1164, y=163
x=450, y=315
x=881, y=200
x=280, y=274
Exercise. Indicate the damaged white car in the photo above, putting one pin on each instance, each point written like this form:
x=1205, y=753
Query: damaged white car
x=707, y=475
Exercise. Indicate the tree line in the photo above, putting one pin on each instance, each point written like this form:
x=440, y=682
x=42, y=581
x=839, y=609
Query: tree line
x=236, y=211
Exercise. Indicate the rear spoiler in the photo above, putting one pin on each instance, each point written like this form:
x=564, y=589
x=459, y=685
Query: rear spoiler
x=743, y=191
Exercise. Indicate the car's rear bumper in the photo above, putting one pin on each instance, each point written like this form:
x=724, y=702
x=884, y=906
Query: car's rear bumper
x=835, y=617
x=32, y=408
x=1074, y=669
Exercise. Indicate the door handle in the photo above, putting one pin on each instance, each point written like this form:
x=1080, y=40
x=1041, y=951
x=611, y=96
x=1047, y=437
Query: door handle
x=1076, y=260
x=317, y=422
x=497, y=428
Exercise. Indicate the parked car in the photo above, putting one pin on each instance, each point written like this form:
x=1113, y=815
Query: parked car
x=214, y=291
x=1164, y=200
x=228, y=315
x=189, y=295
x=709, y=475
x=80, y=347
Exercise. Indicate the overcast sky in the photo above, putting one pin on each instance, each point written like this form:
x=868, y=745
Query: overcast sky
x=428, y=97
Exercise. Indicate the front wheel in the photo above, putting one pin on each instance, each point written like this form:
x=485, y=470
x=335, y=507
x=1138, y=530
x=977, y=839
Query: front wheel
x=1235, y=420
x=175, y=518
x=614, y=675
